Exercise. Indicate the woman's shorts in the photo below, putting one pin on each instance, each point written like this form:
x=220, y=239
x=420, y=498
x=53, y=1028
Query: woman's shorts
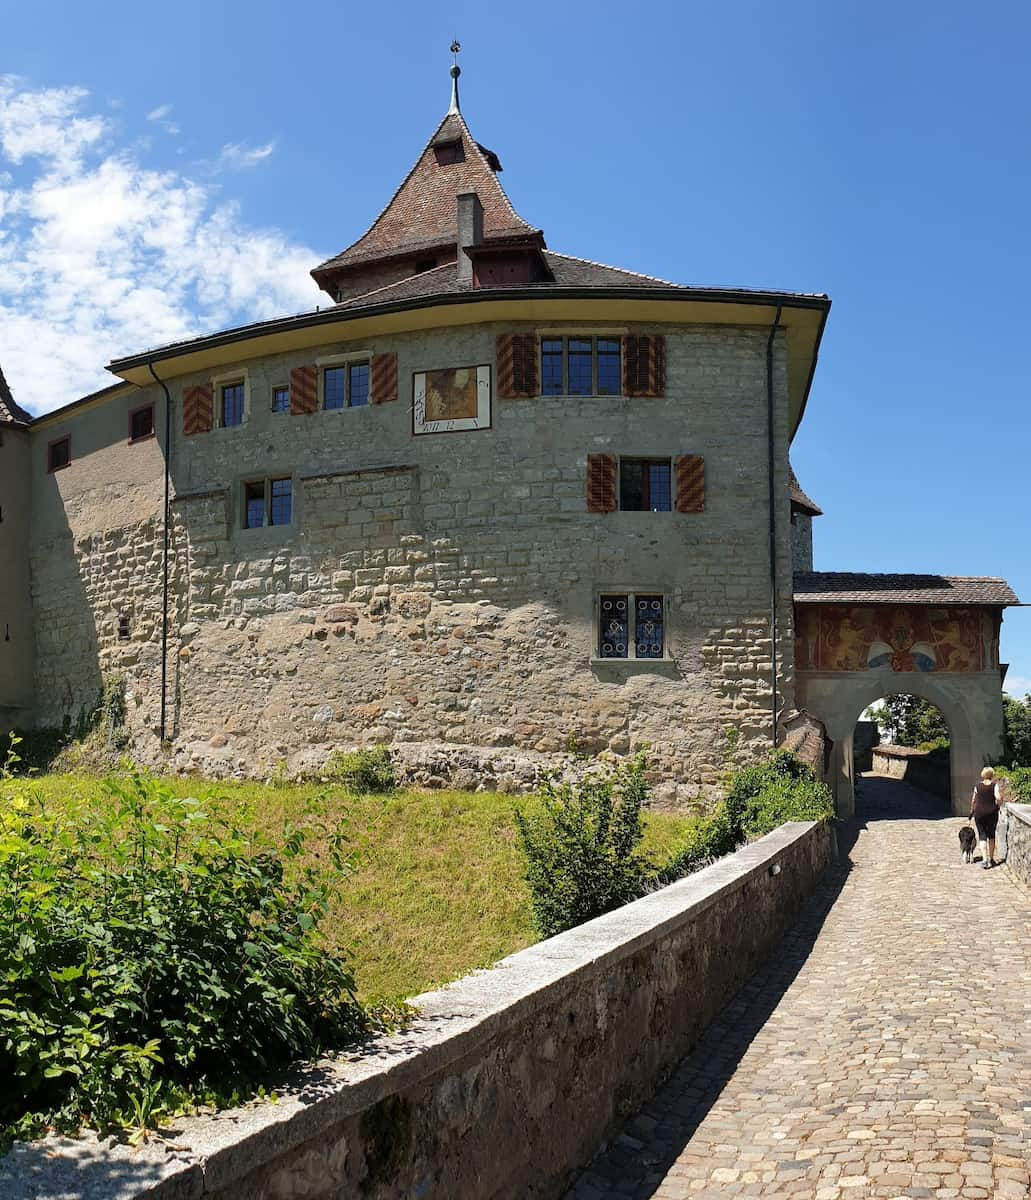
x=986, y=825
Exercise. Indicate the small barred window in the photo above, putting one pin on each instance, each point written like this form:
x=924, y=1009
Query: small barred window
x=631, y=625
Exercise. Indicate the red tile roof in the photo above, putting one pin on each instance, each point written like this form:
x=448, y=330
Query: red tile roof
x=841, y=587
x=422, y=213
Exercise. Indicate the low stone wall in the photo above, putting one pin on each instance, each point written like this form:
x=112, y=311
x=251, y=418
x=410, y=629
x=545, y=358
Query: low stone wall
x=1015, y=840
x=927, y=770
x=506, y=1083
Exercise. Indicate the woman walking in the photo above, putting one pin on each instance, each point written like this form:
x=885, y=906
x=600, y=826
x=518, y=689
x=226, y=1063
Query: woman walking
x=984, y=812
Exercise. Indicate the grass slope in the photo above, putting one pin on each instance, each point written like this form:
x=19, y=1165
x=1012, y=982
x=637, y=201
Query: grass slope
x=438, y=888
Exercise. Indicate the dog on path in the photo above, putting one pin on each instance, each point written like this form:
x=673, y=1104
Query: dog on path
x=967, y=843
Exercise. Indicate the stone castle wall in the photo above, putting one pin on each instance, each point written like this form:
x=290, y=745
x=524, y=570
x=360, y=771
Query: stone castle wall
x=435, y=593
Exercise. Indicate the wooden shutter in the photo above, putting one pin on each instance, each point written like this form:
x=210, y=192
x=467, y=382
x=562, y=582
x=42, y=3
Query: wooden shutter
x=517, y=366
x=690, y=474
x=644, y=365
x=197, y=409
x=383, y=378
x=304, y=392
x=601, y=483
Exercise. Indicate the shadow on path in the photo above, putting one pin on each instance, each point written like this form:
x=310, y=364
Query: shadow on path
x=638, y=1158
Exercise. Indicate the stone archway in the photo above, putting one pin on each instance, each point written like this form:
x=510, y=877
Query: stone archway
x=971, y=705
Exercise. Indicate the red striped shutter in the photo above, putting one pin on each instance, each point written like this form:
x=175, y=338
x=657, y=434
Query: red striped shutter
x=304, y=392
x=690, y=476
x=517, y=366
x=383, y=378
x=601, y=483
x=644, y=365
x=198, y=409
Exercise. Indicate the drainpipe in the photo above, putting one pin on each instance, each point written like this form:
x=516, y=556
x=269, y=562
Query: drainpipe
x=770, y=465
x=164, y=554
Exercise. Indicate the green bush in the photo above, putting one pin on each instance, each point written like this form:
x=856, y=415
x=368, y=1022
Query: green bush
x=151, y=957
x=778, y=789
x=1019, y=780
x=582, y=847
x=582, y=844
x=1017, y=714
x=362, y=771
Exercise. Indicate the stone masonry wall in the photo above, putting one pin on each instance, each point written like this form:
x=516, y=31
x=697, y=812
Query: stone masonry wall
x=437, y=593
x=505, y=1082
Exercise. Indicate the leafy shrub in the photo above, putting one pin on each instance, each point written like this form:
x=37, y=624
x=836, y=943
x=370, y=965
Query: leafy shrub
x=363, y=771
x=150, y=957
x=1017, y=714
x=778, y=789
x=1019, y=783
x=582, y=847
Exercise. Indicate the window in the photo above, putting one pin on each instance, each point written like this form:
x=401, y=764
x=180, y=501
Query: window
x=59, y=454
x=281, y=399
x=346, y=386
x=141, y=423
x=580, y=366
x=631, y=625
x=123, y=627
x=267, y=502
x=231, y=404
x=449, y=152
x=644, y=484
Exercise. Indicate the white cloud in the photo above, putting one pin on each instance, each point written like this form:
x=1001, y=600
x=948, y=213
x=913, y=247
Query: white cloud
x=101, y=256
x=159, y=113
x=1017, y=686
x=238, y=157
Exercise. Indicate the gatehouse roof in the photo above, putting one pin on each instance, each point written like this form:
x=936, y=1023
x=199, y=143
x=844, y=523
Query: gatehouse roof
x=848, y=587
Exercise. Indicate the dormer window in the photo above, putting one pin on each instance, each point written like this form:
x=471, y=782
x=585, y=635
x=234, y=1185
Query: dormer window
x=449, y=152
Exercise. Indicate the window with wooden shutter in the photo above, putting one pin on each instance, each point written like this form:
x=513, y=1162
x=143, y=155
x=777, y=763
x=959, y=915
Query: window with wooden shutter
x=517, y=366
x=601, y=483
x=690, y=473
x=383, y=372
x=198, y=409
x=303, y=390
x=644, y=365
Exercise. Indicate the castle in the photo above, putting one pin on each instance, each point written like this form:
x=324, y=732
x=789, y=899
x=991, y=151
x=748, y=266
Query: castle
x=493, y=504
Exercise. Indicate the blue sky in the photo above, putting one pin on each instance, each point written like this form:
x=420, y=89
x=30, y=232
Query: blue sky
x=170, y=169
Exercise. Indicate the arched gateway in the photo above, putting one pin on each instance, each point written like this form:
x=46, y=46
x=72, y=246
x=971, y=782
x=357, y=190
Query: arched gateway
x=861, y=637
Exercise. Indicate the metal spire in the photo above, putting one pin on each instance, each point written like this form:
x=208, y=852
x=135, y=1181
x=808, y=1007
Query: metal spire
x=456, y=70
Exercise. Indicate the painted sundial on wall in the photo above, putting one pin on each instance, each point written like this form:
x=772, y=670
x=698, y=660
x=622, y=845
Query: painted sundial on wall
x=451, y=400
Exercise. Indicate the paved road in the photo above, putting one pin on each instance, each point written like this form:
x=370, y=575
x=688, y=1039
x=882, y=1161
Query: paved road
x=884, y=1052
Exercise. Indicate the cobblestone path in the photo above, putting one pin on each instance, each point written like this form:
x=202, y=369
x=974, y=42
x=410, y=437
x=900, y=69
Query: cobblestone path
x=885, y=1051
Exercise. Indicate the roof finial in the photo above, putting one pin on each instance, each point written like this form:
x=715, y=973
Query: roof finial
x=456, y=70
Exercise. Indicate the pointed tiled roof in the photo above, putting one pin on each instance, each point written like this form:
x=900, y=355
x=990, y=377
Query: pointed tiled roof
x=9, y=410
x=421, y=215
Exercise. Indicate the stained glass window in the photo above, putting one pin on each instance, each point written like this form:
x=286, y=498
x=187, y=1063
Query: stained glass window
x=281, y=399
x=644, y=484
x=648, y=631
x=615, y=626
x=232, y=404
x=280, y=501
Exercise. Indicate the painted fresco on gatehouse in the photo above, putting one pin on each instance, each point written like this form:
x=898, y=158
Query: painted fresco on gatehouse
x=841, y=637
